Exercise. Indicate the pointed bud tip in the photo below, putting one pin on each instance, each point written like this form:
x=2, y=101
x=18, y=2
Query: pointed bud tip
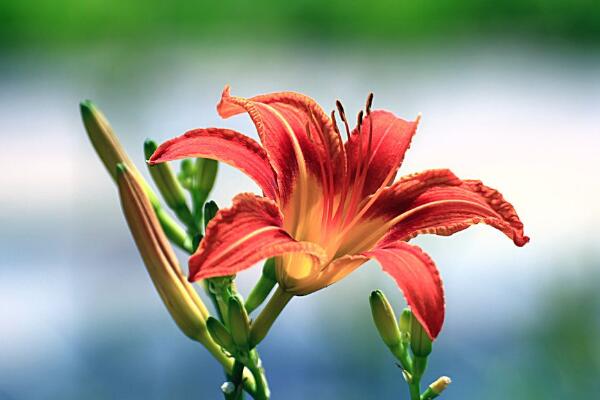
x=150, y=147
x=86, y=104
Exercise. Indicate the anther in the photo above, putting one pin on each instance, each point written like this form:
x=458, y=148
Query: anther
x=369, y=103
x=359, y=120
x=340, y=108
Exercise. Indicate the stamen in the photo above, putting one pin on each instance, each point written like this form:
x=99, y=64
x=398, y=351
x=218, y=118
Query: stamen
x=340, y=108
x=369, y=103
x=325, y=168
x=335, y=126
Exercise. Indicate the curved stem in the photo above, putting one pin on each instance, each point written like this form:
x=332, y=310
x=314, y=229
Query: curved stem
x=268, y=315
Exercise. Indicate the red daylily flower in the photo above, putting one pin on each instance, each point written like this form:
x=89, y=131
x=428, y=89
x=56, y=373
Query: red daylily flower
x=330, y=206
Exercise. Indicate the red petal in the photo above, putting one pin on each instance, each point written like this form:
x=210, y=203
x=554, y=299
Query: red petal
x=225, y=145
x=418, y=278
x=281, y=120
x=240, y=236
x=391, y=138
x=379, y=209
x=444, y=210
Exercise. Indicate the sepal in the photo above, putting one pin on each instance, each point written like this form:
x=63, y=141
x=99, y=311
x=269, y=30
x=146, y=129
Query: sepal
x=239, y=324
x=220, y=335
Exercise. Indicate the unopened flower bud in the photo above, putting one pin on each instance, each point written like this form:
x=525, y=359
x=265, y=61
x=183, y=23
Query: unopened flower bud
x=239, y=323
x=385, y=319
x=186, y=173
x=404, y=321
x=220, y=334
x=206, y=173
x=420, y=343
x=436, y=388
x=168, y=186
x=210, y=210
x=180, y=298
x=111, y=152
x=104, y=140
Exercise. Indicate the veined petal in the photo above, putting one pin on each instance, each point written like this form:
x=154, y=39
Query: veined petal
x=391, y=137
x=225, y=145
x=282, y=120
x=240, y=236
x=444, y=210
x=418, y=278
x=373, y=221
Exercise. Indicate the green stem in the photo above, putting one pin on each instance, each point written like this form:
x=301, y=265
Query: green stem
x=401, y=353
x=255, y=367
x=415, y=390
x=228, y=363
x=264, y=321
x=237, y=380
x=259, y=293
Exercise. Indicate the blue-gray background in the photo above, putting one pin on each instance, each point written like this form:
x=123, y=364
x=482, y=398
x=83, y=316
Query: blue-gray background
x=509, y=94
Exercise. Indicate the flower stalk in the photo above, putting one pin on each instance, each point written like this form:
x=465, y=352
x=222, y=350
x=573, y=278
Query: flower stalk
x=263, y=287
x=264, y=321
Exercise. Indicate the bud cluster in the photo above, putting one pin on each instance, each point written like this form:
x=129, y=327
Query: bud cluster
x=408, y=342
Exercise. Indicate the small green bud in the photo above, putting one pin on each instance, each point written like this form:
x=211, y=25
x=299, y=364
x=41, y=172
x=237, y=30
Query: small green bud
x=169, y=186
x=239, y=324
x=186, y=174
x=420, y=343
x=404, y=321
x=205, y=175
x=436, y=388
x=219, y=334
x=385, y=319
x=210, y=210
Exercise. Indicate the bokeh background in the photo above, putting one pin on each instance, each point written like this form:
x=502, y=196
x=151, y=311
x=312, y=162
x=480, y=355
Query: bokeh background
x=510, y=94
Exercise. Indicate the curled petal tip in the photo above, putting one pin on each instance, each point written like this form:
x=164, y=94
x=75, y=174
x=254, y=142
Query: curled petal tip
x=521, y=240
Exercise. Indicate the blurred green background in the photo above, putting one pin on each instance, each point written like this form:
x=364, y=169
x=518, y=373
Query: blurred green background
x=509, y=91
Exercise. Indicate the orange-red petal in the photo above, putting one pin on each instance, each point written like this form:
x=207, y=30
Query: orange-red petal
x=377, y=212
x=418, y=278
x=225, y=145
x=240, y=236
x=282, y=120
x=444, y=210
x=391, y=137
